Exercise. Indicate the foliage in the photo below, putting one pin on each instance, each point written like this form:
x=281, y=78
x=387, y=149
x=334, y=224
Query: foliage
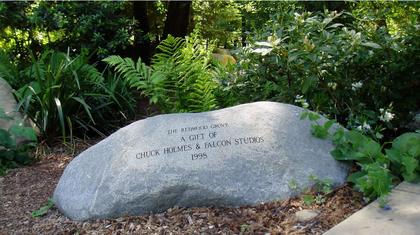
x=341, y=69
x=378, y=167
x=398, y=17
x=179, y=79
x=318, y=130
x=43, y=209
x=405, y=156
x=218, y=21
x=315, y=194
x=101, y=27
x=319, y=191
x=15, y=144
x=8, y=70
x=374, y=178
x=65, y=95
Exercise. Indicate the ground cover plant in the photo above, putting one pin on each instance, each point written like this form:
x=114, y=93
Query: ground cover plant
x=15, y=144
x=379, y=168
x=64, y=95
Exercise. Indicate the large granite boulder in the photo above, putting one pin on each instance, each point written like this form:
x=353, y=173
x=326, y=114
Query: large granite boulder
x=9, y=106
x=235, y=156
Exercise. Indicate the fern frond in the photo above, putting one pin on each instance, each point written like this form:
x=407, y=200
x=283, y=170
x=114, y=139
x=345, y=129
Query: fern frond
x=135, y=73
x=202, y=97
x=167, y=49
x=180, y=78
x=91, y=73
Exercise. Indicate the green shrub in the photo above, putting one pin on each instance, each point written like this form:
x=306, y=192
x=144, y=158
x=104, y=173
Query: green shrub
x=66, y=96
x=13, y=153
x=405, y=156
x=379, y=168
x=179, y=79
x=342, y=70
x=99, y=28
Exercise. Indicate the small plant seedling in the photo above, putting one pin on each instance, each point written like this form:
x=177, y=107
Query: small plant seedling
x=379, y=167
x=321, y=188
x=43, y=209
x=244, y=228
x=383, y=203
x=318, y=130
x=293, y=185
x=308, y=199
x=319, y=199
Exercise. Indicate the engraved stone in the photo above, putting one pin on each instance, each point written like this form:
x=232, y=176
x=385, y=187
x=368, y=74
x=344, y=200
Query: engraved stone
x=236, y=156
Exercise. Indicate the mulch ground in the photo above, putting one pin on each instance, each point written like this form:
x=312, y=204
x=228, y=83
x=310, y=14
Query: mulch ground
x=26, y=189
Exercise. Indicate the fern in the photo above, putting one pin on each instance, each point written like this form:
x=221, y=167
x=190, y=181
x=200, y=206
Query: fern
x=179, y=79
x=167, y=49
x=137, y=74
x=202, y=97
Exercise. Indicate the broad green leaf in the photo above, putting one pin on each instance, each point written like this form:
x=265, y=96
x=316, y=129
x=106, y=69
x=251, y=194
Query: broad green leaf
x=307, y=83
x=354, y=177
x=327, y=20
x=265, y=44
x=329, y=124
x=394, y=155
x=43, y=209
x=338, y=136
x=313, y=116
x=292, y=57
x=371, y=44
x=60, y=115
x=408, y=143
x=319, y=131
x=335, y=25
x=371, y=148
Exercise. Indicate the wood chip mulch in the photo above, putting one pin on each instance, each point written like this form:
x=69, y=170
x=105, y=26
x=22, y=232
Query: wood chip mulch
x=26, y=189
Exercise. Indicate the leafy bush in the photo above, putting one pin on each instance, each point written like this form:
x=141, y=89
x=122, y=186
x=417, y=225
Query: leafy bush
x=179, y=80
x=326, y=58
x=67, y=96
x=378, y=167
x=13, y=153
x=101, y=27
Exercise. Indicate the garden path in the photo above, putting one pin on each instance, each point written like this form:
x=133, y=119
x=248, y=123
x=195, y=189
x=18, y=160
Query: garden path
x=401, y=217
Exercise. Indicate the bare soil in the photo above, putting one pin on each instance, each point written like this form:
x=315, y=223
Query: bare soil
x=26, y=189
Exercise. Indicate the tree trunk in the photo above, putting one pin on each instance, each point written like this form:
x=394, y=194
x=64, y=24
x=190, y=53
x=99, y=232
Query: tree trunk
x=142, y=47
x=177, y=19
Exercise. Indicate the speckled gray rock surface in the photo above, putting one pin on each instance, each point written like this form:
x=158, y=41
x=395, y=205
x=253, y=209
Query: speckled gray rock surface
x=306, y=215
x=9, y=106
x=242, y=155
